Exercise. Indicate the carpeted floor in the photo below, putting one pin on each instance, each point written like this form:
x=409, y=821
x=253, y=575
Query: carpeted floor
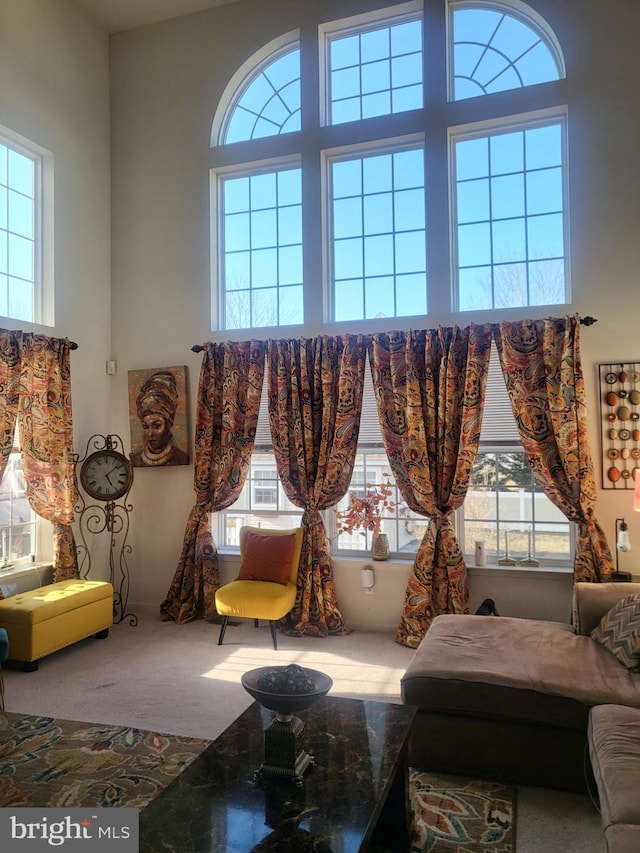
x=164, y=677
x=61, y=763
x=46, y=762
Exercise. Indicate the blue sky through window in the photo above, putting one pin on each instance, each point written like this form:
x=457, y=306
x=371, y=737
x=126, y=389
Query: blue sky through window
x=508, y=213
x=379, y=260
x=270, y=105
x=17, y=234
x=376, y=72
x=494, y=52
x=263, y=249
x=510, y=223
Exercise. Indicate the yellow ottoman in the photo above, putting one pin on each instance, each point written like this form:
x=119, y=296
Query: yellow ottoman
x=51, y=617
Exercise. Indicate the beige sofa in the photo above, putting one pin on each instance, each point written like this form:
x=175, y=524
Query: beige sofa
x=614, y=748
x=509, y=699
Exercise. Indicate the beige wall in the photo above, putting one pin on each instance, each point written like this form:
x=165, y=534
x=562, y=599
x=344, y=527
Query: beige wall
x=165, y=82
x=54, y=90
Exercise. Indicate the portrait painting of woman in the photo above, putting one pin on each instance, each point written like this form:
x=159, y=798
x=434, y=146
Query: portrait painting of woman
x=158, y=417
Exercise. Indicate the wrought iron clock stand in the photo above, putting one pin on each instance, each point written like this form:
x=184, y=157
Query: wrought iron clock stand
x=110, y=514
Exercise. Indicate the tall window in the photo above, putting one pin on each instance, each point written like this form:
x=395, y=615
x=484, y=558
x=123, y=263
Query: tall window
x=26, y=213
x=262, y=261
x=415, y=177
x=400, y=100
x=510, y=215
x=378, y=257
x=18, y=218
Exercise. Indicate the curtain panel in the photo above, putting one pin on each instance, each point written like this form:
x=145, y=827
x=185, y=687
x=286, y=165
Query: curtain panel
x=315, y=402
x=228, y=402
x=35, y=390
x=542, y=368
x=430, y=387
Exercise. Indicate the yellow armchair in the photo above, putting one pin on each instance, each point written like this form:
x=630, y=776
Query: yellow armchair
x=267, y=582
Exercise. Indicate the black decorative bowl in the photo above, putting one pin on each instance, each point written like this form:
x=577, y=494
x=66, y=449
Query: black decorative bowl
x=286, y=689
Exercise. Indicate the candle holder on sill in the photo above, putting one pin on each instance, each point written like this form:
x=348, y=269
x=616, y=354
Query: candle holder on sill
x=507, y=560
x=530, y=561
x=4, y=562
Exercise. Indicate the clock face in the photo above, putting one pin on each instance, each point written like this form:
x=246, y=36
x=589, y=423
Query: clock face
x=106, y=475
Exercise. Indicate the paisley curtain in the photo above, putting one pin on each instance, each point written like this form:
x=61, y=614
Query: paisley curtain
x=315, y=401
x=542, y=368
x=229, y=391
x=430, y=388
x=35, y=388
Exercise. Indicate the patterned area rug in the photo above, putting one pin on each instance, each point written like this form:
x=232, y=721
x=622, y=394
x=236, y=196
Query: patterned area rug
x=452, y=814
x=61, y=763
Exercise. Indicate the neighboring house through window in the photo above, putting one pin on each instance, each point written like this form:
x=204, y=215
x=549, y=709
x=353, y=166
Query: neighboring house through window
x=18, y=524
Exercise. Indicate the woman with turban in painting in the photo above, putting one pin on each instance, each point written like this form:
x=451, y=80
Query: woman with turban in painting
x=156, y=406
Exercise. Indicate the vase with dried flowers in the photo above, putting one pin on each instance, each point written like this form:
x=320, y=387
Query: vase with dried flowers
x=365, y=513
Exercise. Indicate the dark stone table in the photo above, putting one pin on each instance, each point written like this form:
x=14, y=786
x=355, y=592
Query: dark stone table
x=355, y=796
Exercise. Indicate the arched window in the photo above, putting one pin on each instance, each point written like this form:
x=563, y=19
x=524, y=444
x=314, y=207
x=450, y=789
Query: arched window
x=395, y=99
x=266, y=101
x=498, y=47
x=387, y=165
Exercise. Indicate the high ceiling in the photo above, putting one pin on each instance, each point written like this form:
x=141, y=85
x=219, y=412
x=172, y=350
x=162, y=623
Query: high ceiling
x=118, y=15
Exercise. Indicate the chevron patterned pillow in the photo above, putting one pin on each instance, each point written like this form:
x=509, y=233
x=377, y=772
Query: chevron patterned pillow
x=619, y=631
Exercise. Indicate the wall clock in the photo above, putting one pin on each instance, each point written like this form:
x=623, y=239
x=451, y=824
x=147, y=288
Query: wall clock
x=106, y=476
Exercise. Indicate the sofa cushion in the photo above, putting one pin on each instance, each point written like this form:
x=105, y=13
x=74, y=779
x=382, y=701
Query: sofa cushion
x=592, y=600
x=519, y=669
x=614, y=749
x=619, y=631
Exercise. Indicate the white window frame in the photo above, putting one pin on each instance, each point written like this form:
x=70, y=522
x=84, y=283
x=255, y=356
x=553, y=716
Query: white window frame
x=43, y=270
x=519, y=122
x=517, y=9
x=15, y=528
x=216, y=240
x=411, y=142
x=318, y=140
x=499, y=434
x=468, y=546
x=372, y=20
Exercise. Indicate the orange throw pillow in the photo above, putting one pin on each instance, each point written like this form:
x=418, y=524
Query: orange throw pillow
x=267, y=558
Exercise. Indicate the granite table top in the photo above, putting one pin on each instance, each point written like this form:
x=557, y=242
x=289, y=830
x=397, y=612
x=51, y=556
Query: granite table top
x=356, y=790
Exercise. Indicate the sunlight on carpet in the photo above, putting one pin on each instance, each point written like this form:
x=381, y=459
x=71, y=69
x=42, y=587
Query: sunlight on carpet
x=349, y=675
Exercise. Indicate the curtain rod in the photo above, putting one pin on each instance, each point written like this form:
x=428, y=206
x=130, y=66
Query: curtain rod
x=584, y=321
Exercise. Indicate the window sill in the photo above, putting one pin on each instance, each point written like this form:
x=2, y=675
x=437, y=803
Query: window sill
x=531, y=572
x=15, y=572
x=404, y=563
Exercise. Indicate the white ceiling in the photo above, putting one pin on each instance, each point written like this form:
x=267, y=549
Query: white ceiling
x=118, y=15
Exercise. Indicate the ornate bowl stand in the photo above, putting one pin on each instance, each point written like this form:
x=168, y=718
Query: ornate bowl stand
x=284, y=755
